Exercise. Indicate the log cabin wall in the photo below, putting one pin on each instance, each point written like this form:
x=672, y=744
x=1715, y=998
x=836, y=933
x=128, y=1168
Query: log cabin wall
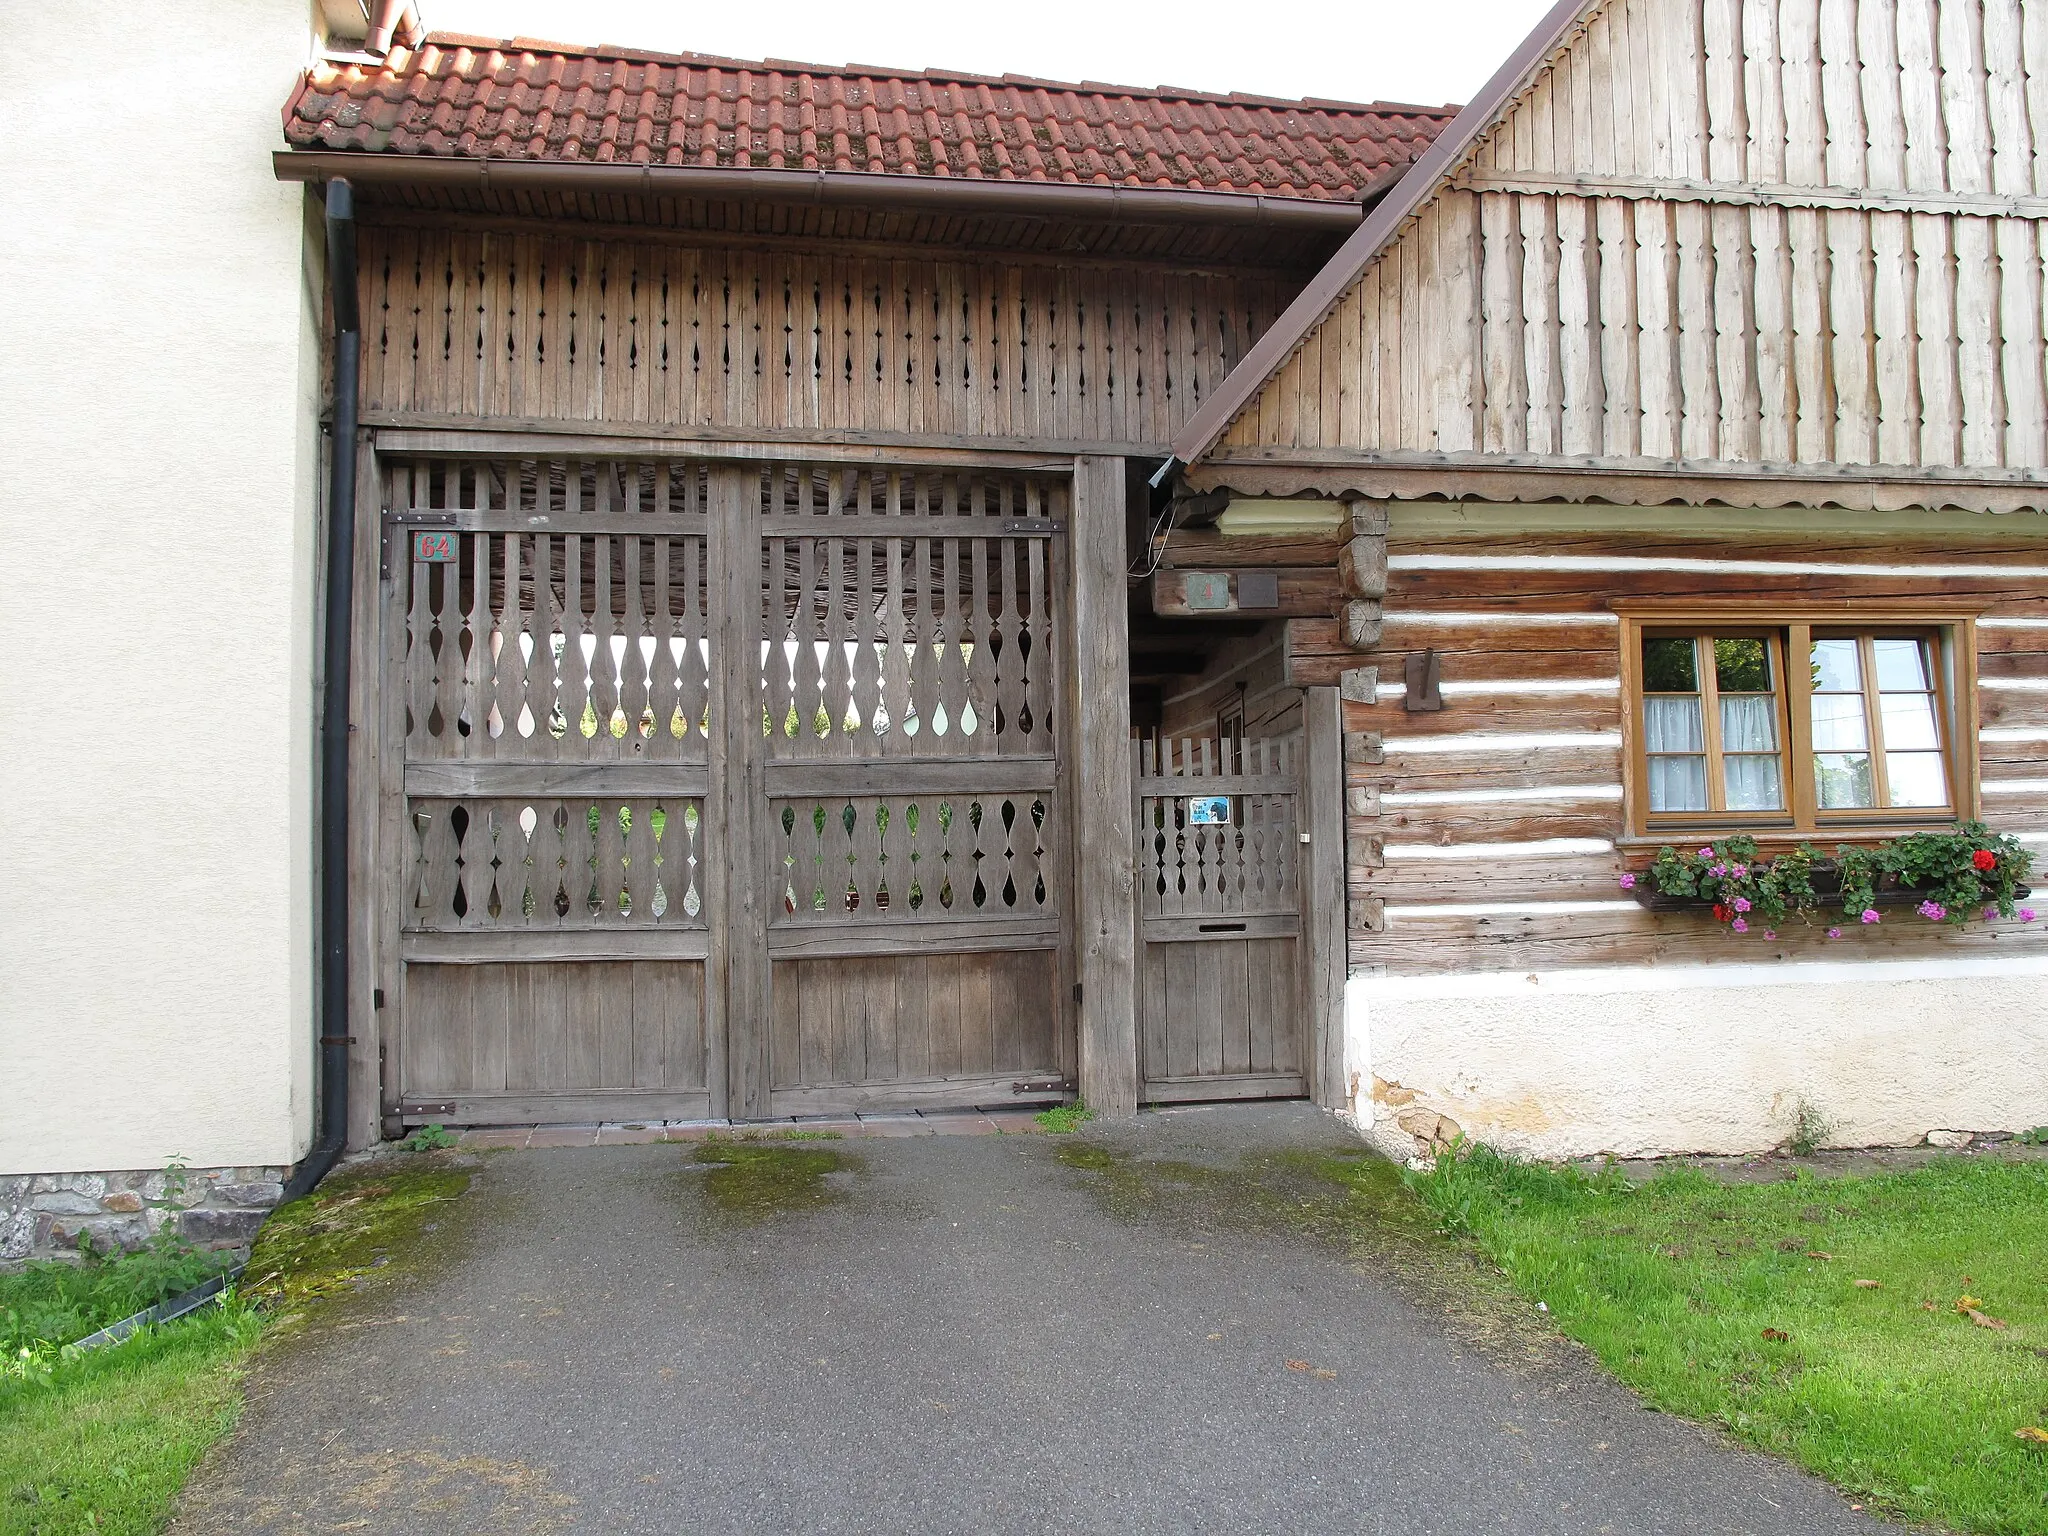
x=1796, y=233
x=1489, y=835
x=536, y=329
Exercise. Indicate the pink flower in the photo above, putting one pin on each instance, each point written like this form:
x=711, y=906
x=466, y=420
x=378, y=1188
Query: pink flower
x=1739, y=926
x=1741, y=903
x=1718, y=871
x=1933, y=911
x=1870, y=914
x=1741, y=870
x=1991, y=914
x=1770, y=933
x=1834, y=933
x=1628, y=882
x=1706, y=853
x=2026, y=914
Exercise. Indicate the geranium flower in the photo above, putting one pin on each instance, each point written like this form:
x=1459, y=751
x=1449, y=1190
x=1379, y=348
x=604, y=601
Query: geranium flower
x=1870, y=914
x=1770, y=933
x=1739, y=926
x=1628, y=882
x=1984, y=859
x=1706, y=853
x=1721, y=913
x=1834, y=933
x=1933, y=911
x=1741, y=870
x=1991, y=914
x=1741, y=903
x=2026, y=914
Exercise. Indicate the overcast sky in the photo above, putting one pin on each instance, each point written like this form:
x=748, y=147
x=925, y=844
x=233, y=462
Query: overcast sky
x=1430, y=52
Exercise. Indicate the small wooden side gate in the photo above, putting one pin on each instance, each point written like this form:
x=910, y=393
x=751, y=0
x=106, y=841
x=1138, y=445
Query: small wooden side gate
x=1222, y=964
x=725, y=789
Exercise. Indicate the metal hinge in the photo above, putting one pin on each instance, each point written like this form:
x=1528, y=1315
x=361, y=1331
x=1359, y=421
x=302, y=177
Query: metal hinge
x=426, y=1106
x=1039, y=1085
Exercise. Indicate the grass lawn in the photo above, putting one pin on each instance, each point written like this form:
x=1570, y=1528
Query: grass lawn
x=1741, y=1305
x=102, y=1442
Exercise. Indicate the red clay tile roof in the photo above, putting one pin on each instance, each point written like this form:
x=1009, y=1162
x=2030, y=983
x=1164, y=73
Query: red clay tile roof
x=471, y=98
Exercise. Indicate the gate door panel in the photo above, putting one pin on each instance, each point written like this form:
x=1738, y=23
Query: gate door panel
x=546, y=670
x=1219, y=917
x=915, y=831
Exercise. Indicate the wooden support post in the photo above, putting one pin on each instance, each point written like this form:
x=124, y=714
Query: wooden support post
x=1099, y=746
x=1322, y=894
x=738, y=978
x=368, y=965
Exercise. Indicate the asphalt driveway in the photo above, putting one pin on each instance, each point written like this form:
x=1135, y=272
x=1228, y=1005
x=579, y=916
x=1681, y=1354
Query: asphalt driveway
x=948, y=1334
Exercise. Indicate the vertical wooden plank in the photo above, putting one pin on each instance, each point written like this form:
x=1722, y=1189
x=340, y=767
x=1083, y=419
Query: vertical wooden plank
x=2019, y=286
x=736, y=849
x=1897, y=376
x=1656, y=306
x=1963, y=105
x=1577, y=307
x=1540, y=337
x=1322, y=951
x=491, y=1023
x=786, y=1045
x=1978, y=304
x=1099, y=745
x=1935, y=323
x=1920, y=96
x=913, y=1016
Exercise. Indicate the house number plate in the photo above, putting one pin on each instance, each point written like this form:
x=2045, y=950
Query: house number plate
x=1206, y=589
x=433, y=547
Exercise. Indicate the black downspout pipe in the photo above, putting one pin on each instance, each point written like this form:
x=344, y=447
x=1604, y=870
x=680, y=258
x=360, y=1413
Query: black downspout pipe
x=334, y=722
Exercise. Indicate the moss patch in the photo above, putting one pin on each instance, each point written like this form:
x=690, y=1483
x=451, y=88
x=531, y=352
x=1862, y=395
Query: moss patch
x=1355, y=1203
x=359, y=1224
x=755, y=1180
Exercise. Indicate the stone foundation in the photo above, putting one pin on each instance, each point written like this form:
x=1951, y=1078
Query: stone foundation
x=55, y=1215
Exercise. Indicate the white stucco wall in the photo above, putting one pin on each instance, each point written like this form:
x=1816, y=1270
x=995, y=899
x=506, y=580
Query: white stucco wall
x=1646, y=1061
x=158, y=372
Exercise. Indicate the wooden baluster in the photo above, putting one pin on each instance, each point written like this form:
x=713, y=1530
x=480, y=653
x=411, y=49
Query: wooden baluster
x=605, y=661
x=866, y=660
x=865, y=846
x=664, y=674
x=544, y=667
x=837, y=685
x=1008, y=662
x=576, y=703
x=508, y=665
x=895, y=632
x=693, y=675
x=641, y=848
x=952, y=665
x=1039, y=663
x=924, y=654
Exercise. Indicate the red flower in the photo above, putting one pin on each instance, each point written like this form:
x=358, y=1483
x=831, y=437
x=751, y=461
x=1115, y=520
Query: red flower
x=1985, y=860
x=1721, y=913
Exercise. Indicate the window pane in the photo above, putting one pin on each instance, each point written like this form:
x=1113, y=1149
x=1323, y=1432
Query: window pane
x=1672, y=725
x=1908, y=722
x=1752, y=784
x=1749, y=724
x=1678, y=783
x=1836, y=666
x=1842, y=781
x=1670, y=666
x=1742, y=666
x=1902, y=664
x=1916, y=778
x=1838, y=723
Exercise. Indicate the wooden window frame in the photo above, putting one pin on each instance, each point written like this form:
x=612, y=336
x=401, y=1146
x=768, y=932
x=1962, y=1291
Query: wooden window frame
x=1794, y=628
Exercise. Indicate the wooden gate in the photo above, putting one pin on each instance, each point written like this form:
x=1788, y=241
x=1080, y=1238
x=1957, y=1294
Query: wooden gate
x=1221, y=976
x=726, y=789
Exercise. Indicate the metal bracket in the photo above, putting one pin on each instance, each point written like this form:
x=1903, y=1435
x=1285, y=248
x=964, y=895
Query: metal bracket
x=1039, y=1085
x=426, y=1106
x=1033, y=525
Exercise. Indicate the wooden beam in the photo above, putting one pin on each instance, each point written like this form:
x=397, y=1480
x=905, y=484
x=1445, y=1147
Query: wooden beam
x=1324, y=962
x=1098, y=743
x=737, y=981
x=1304, y=592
